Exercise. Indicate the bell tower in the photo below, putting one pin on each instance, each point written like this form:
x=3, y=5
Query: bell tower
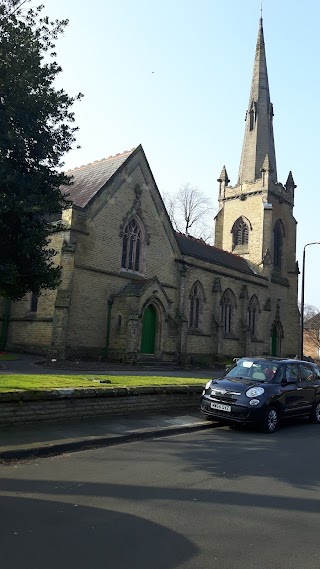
x=255, y=218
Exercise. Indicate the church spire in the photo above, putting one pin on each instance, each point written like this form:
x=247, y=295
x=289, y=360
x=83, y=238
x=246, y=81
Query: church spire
x=258, y=139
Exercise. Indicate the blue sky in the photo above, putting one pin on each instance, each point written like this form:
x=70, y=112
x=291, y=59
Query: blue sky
x=174, y=75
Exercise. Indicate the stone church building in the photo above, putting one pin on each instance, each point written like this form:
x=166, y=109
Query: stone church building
x=132, y=288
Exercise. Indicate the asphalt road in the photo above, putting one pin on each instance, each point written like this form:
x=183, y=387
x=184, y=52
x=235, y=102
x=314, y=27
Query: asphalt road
x=219, y=498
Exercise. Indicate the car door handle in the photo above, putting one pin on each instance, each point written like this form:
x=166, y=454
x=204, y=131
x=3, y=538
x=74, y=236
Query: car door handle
x=299, y=388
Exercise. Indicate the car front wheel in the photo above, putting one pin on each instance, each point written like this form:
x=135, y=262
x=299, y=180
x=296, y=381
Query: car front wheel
x=270, y=420
x=315, y=415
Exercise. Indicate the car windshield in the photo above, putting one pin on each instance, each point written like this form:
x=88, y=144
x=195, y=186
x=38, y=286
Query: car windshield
x=253, y=369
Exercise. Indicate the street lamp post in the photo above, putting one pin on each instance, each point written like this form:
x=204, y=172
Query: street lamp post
x=302, y=296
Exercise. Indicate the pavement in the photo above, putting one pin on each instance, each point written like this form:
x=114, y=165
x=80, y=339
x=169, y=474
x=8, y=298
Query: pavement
x=33, y=364
x=19, y=442
x=25, y=441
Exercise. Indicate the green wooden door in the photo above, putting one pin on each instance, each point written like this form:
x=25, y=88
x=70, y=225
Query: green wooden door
x=148, y=338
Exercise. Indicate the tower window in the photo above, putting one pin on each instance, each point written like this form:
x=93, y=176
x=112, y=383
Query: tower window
x=278, y=235
x=240, y=233
x=251, y=119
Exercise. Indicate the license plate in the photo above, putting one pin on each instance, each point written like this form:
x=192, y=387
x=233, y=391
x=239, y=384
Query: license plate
x=221, y=407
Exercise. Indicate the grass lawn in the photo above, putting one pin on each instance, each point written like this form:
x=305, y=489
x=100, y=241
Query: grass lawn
x=19, y=382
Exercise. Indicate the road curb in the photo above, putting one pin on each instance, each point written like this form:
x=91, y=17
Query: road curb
x=77, y=445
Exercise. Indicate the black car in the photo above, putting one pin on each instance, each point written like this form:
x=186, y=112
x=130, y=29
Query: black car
x=263, y=390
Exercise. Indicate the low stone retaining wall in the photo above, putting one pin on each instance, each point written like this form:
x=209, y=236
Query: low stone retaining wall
x=63, y=404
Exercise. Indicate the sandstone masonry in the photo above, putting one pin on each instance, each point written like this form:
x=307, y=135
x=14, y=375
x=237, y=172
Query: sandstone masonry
x=133, y=289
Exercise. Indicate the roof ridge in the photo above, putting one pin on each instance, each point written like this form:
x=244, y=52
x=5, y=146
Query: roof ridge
x=102, y=160
x=211, y=246
x=200, y=240
x=192, y=238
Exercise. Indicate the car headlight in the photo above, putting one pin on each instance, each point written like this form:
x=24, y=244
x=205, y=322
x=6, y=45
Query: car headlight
x=208, y=384
x=255, y=391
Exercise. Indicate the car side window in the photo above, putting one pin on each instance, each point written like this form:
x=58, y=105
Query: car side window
x=292, y=372
x=280, y=374
x=306, y=372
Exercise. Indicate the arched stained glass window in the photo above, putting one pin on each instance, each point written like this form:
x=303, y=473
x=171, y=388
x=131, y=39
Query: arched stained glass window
x=33, y=302
x=194, y=308
x=131, y=247
x=196, y=302
x=228, y=305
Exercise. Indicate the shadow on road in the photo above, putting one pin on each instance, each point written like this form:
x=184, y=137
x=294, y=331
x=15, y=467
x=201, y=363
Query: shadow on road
x=290, y=455
x=38, y=534
x=134, y=494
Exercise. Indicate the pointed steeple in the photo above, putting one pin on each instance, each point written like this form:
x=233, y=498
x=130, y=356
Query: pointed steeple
x=258, y=139
x=290, y=185
x=224, y=176
x=223, y=182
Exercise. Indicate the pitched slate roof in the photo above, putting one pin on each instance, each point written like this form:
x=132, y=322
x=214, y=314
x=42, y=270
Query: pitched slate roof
x=89, y=179
x=196, y=248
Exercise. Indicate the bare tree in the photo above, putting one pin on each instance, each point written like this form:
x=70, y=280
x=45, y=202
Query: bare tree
x=191, y=212
x=309, y=312
x=312, y=327
x=169, y=202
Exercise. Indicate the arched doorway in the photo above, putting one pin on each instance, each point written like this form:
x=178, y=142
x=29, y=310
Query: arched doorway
x=276, y=336
x=149, y=324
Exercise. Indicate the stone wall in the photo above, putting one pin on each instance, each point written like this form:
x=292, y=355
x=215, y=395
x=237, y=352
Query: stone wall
x=90, y=315
x=98, y=275
x=32, y=331
x=65, y=404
